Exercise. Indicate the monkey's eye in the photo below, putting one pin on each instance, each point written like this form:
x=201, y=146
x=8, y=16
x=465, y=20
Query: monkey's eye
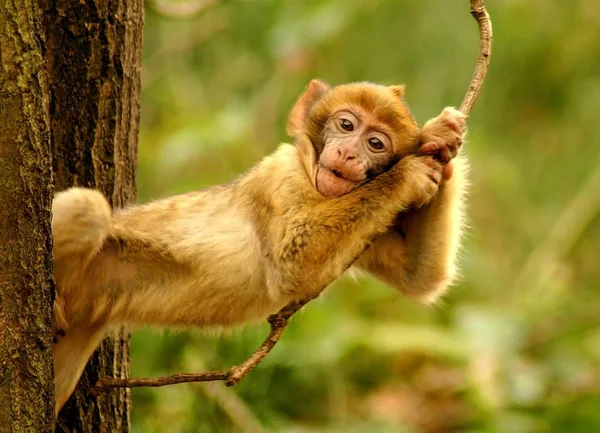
x=376, y=143
x=346, y=125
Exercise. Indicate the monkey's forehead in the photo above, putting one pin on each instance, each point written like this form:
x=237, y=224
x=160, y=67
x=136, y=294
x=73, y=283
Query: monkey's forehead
x=380, y=101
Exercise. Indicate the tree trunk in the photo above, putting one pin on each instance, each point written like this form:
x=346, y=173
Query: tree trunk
x=94, y=59
x=26, y=292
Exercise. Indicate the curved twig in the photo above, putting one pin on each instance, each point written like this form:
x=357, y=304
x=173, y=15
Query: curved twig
x=480, y=13
x=279, y=321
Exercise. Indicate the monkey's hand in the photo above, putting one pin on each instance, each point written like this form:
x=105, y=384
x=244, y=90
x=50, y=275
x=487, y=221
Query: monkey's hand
x=442, y=137
x=422, y=176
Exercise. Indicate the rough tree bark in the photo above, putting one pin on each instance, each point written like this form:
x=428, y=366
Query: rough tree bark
x=26, y=379
x=94, y=60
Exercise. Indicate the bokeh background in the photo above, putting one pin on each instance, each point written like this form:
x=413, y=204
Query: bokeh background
x=515, y=346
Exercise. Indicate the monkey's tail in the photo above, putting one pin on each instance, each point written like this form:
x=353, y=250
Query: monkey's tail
x=81, y=222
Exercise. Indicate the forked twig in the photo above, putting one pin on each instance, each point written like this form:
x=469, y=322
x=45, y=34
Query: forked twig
x=231, y=376
x=279, y=320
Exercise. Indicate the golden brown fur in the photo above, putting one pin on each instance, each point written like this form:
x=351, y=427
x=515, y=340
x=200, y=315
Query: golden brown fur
x=384, y=104
x=236, y=253
x=417, y=255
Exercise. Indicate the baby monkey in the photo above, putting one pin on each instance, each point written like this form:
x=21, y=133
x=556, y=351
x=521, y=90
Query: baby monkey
x=362, y=184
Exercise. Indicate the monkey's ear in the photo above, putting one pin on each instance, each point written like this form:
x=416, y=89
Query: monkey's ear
x=313, y=92
x=398, y=90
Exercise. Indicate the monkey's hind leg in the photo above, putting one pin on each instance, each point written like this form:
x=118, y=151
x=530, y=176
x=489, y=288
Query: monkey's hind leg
x=71, y=355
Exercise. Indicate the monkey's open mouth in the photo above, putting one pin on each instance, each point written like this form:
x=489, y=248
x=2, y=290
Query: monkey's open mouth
x=337, y=173
x=332, y=183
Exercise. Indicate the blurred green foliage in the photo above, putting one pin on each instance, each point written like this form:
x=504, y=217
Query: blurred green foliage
x=515, y=346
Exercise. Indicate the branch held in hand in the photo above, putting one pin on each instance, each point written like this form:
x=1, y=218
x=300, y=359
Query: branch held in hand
x=279, y=320
x=480, y=13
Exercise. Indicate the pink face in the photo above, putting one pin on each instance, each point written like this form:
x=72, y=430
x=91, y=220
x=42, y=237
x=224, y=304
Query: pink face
x=356, y=148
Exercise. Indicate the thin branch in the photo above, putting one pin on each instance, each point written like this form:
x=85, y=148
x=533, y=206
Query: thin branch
x=279, y=321
x=480, y=13
x=231, y=376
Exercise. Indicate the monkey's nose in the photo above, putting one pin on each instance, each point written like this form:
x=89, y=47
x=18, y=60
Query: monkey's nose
x=345, y=155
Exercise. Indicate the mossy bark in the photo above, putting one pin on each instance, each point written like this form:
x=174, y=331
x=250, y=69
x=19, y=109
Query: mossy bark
x=26, y=292
x=94, y=61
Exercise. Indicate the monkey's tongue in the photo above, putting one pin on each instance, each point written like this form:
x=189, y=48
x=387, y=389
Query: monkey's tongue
x=330, y=185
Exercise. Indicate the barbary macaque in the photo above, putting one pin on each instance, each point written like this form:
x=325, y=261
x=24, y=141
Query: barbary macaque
x=362, y=185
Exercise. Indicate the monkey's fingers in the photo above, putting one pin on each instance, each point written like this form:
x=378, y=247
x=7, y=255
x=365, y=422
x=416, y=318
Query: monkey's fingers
x=447, y=171
x=454, y=119
x=443, y=153
x=457, y=125
x=436, y=174
x=430, y=148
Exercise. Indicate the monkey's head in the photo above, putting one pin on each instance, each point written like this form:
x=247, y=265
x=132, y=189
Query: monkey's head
x=354, y=132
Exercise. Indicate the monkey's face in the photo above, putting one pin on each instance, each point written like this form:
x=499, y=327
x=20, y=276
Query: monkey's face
x=357, y=131
x=355, y=148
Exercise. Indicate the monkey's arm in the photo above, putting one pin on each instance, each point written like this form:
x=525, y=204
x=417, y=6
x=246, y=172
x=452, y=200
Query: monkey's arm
x=313, y=244
x=418, y=254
